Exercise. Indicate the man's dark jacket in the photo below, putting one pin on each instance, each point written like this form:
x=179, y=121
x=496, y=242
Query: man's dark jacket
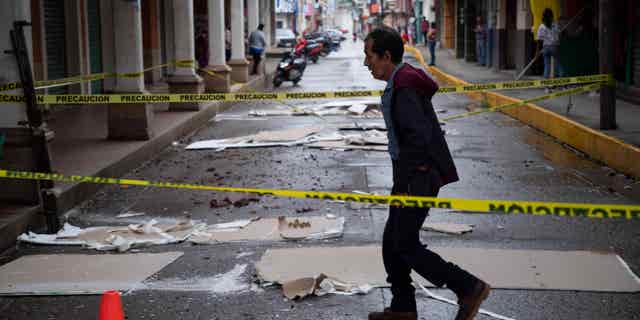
x=417, y=129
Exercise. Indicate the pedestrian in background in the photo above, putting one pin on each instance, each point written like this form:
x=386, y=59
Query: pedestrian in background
x=549, y=41
x=432, y=36
x=202, y=48
x=256, y=46
x=424, y=28
x=422, y=164
x=481, y=37
x=227, y=43
x=412, y=33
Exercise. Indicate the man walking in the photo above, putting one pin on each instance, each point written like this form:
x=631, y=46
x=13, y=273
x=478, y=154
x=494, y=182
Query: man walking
x=256, y=46
x=424, y=29
x=422, y=164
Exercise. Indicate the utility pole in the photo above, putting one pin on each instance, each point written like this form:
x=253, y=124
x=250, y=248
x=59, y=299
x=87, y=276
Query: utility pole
x=608, y=91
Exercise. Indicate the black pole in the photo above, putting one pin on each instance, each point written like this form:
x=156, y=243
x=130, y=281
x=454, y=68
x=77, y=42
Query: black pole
x=608, y=91
x=40, y=134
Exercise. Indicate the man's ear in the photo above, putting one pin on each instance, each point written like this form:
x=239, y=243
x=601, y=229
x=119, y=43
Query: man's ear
x=387, y=55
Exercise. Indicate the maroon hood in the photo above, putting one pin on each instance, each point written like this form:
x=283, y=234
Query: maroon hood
x=410, y=77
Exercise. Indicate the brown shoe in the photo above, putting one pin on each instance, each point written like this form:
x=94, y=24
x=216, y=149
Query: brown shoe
x=387, y=314
x=470, y=303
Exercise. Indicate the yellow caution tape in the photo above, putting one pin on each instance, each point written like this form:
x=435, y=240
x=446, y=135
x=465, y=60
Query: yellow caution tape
x=599, y=211
x=221, y=97
x=167, y=97
x=187, y=97
x=586, y=88
x=526, y=84
x=514, y=85
x=95, y=76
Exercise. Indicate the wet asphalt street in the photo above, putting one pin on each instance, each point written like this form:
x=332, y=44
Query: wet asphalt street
x=497, y=158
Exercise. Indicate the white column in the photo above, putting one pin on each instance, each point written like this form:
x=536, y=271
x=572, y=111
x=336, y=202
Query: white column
x=237, y=31
x=11, y=11
x=129, y=121
x=253, y=15
x=128, y=44
x=264, y=17
x=184, y=36
x=216, y=32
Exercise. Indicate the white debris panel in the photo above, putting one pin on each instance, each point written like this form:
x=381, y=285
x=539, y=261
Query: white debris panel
x=120, y=238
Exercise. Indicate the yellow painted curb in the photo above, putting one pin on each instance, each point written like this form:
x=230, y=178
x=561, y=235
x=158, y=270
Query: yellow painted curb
x=609, y=150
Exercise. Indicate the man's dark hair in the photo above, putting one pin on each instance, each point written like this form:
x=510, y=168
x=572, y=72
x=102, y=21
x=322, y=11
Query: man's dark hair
x=547, y=17
x=386, y=39
x=260, y=27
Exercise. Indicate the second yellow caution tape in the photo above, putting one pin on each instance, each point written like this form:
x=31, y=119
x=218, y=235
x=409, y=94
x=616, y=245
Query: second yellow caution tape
x=221, y=97
x=562, y=209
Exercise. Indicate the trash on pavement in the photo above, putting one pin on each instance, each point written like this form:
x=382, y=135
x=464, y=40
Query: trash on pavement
x=450, y=228
x=130, y=214
x=373, y=140
x=236, y=199
x=121, y=238
x=358, y=108
x=272, y=229
x=320, y=285
x=363, y=126
x=288, y=137
x=75, y=274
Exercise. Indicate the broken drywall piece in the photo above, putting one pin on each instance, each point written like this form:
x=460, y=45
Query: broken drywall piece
x=117, y=237
x=299, y=288
x=449, y=228
x=320, y=285
x=75, y=274
x=268, y=229
x=130, y=214
x=505, y=269
x=363, y=126
x=270, y=113
x=342, y=146
x=310, y=228
x=358, y=108
x=449, y=301
x=287, y=137
x=371, y=137
x=233, y=225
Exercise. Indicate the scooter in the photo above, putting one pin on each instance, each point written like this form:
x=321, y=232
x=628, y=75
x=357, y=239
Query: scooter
x=290, y=68
x=308, y=48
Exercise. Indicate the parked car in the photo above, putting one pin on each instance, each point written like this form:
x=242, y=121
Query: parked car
x=285, y=38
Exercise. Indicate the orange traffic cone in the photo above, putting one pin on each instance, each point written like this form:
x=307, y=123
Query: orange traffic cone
x=111, y=306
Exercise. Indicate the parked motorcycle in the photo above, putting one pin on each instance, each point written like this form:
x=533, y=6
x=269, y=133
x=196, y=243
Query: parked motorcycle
x=290, y=68
x=308, y=48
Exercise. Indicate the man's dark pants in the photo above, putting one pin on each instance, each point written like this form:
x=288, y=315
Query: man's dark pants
x=256, y=62
x=401, y=247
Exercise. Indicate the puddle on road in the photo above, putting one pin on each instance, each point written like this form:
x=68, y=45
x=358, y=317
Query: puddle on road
x=586, y=170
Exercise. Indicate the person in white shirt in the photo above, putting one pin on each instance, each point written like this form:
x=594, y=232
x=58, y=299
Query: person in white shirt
x=549, y=40
x=257, y=45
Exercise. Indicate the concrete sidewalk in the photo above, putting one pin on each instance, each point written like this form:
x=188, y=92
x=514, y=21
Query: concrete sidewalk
x=577, y=126
x=80, y=147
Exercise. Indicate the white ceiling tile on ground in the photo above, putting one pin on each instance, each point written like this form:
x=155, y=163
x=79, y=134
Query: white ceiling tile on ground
x=75, y=274
x=503, y=269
